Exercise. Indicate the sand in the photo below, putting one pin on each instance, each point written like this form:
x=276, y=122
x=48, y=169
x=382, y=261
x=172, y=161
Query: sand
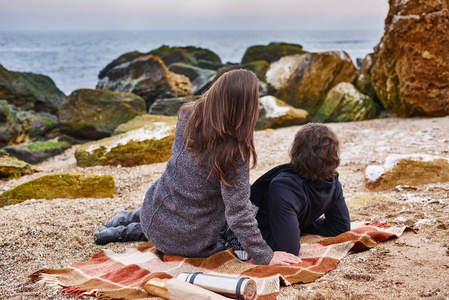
x=56, y=233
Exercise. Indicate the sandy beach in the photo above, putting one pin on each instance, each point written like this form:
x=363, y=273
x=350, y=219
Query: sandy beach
x=57, y=233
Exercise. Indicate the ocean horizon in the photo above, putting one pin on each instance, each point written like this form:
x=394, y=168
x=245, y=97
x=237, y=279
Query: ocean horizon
x=73, y=59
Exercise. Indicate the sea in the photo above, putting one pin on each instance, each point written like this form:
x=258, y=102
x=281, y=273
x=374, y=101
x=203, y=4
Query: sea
x=74, y=59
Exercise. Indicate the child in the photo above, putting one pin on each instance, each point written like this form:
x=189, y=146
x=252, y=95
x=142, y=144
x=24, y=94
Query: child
x=292, y=197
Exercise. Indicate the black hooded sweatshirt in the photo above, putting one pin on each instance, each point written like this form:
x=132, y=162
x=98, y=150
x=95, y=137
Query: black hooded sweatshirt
x=290, y=205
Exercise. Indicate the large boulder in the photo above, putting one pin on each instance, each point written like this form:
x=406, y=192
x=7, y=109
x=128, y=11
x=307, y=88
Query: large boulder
x=30, y=91
x=148, y=77
x=170, y=106
x=345, y=103
x=146, y=145
x=407, y=170
x=61, y=185
x=9, y=129
x=94, y=114
x=304, y=80
x=37, y=152
x=410, y=71
x=275, y=113
x=271, y=52
x=12, y=168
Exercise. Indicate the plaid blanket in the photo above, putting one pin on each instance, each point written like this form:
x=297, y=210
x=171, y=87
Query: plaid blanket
x=108, y=275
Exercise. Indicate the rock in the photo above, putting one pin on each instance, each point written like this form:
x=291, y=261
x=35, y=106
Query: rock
x=34, y=125
x=271, y=53
x=30, y=91
x=364, y=82
x=148, y=77
x=37, y=152
x=124, y=58
x=410, y=71
x=274, y=113
x=190, y=55
x=95, y=114
x=170, y=106
x=259, y=67
x=345, y=103
x=8, y=124
x=304, y=80
x=61, y=185
x=151, y=122
x=363, y=199
x=195, y=56
x=198, y=76
x=12, y=168
x=407, y=170
x=147, y=145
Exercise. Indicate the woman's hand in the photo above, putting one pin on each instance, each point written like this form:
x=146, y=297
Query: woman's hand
x=281, y=258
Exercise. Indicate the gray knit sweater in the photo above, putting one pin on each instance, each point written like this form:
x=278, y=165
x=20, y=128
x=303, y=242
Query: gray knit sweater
x=183, y=213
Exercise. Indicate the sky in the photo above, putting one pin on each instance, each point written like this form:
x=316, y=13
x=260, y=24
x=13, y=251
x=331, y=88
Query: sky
x=73, y=15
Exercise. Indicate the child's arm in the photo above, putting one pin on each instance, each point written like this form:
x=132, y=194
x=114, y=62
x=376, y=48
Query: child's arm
x=336, y=220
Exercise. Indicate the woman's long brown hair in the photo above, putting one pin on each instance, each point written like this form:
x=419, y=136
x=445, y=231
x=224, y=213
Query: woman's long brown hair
x=220, y=129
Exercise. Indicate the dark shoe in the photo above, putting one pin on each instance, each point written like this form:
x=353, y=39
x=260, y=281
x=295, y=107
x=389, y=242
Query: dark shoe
x=132, y=232
x=124, y=218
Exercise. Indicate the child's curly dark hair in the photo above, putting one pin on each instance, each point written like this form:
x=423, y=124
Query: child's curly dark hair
x=315, y=152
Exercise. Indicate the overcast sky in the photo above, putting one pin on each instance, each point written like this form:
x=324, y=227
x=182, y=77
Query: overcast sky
x=191, y=14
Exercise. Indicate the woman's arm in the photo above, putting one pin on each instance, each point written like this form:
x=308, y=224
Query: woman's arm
x=238, y=212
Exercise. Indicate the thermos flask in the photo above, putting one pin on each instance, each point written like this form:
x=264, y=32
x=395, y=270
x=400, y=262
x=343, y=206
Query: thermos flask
x=242, y=288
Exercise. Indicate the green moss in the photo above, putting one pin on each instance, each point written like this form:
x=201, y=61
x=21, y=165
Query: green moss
x=132, y=154
x=42, y=146
x=12, y=168
x=61, y=185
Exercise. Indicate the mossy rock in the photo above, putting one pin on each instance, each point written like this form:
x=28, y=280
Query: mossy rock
x=95, y=114
x=149, y=121
x=147, y=145
x=188, y=55
x=12, y=168
x=275, y=113
x=345, y=103
x=363, y=199
x=272, y=52
x=61, y=185
x=409, y=170
x=259, y=67
x=37, y=152
x=30, y=91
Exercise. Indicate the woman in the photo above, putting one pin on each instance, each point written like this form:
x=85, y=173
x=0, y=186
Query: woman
x=206, y=181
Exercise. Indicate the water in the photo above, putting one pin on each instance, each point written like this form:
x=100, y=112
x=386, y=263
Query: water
x=74, y=59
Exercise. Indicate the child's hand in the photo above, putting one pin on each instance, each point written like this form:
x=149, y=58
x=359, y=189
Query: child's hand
x=281, y=258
